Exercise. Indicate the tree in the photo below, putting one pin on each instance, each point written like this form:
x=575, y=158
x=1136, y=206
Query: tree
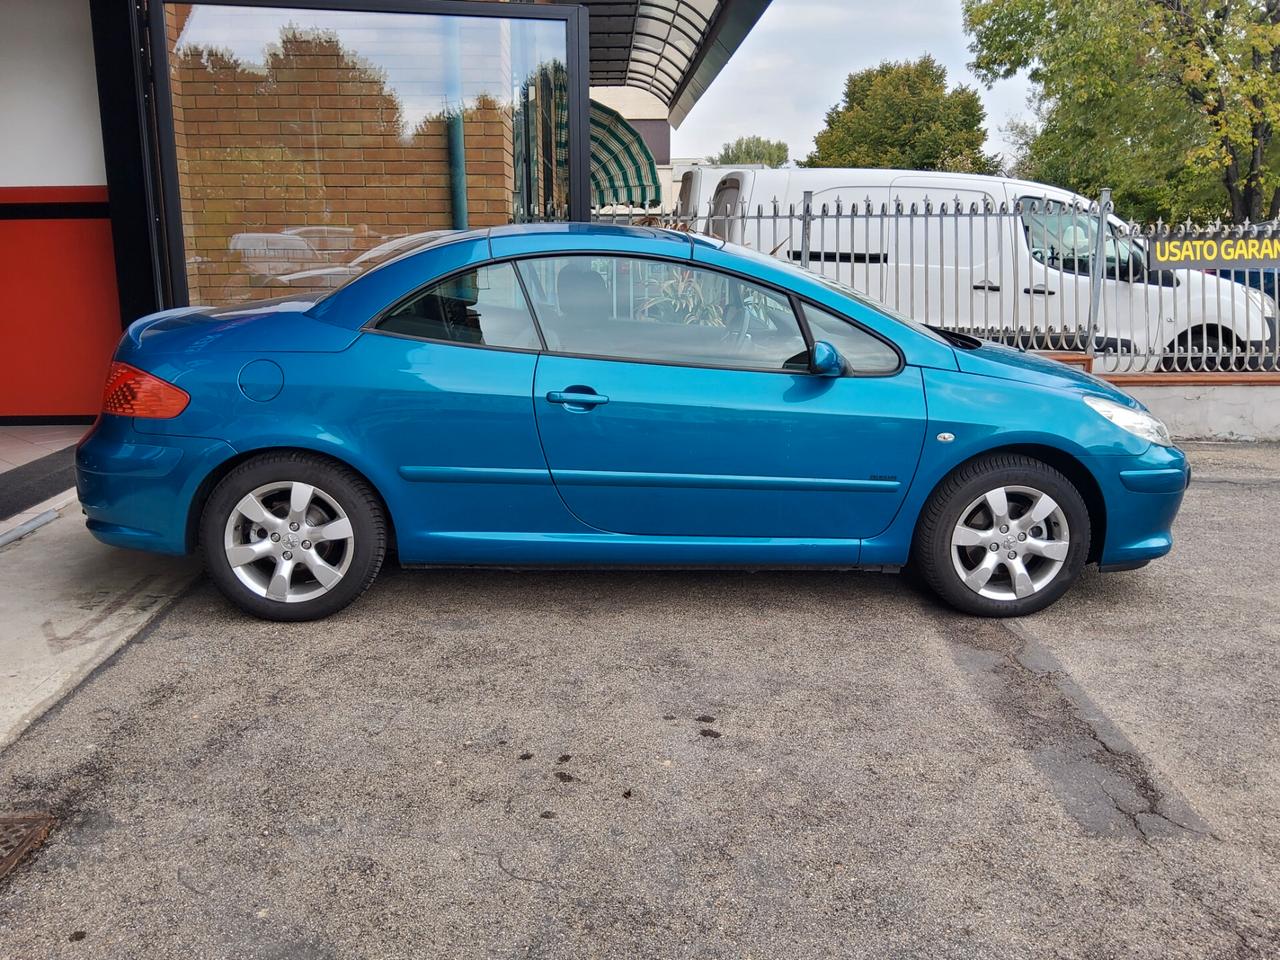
x=1177, y=94
x=1139, y=152
x=772, y=153
x=903, y=115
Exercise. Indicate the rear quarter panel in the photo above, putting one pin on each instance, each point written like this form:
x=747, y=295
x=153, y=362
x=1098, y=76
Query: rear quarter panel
x=417, y=419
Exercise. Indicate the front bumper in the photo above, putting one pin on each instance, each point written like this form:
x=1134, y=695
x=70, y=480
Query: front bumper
x=138, y=493
x=1142, y=495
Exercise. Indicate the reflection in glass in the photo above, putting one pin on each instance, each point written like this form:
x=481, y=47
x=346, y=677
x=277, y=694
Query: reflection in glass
x=1064, y=236
x=633, y=309
x=311, y=144
x=484, y=307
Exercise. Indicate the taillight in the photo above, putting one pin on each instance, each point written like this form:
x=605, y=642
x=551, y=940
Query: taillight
x=131, y=392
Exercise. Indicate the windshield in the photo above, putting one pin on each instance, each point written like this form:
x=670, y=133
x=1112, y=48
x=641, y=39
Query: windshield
x=837, y=287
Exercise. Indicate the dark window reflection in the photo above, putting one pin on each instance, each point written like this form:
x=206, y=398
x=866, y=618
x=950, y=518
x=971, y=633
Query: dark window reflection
x=484, y=307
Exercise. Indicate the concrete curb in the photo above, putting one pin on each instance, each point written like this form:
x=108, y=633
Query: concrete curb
x=69, y=604
x=64, y=686
x=20, y=524
x=22, y=529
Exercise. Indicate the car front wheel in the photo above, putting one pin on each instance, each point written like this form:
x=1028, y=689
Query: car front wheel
x=292, y=536
x=1003, y=536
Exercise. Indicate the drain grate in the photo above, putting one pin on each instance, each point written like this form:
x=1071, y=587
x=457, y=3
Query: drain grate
x=20, y=834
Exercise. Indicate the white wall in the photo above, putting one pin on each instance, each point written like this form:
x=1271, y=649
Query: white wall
x=631, y=102
x=51, y=134
x=1226, y=412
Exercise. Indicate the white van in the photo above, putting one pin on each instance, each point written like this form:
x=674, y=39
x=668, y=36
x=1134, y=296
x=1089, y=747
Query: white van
x=990, y=255
x=699, y=185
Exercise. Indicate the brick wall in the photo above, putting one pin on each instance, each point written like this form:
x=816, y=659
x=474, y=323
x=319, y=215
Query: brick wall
x=316, y=138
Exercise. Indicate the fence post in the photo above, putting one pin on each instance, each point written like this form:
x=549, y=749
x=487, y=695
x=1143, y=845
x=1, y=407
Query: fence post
x=806, y=215
x=1098, y=269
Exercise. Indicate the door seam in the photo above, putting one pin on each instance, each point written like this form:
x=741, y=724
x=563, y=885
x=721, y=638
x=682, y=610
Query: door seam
x=537, y=426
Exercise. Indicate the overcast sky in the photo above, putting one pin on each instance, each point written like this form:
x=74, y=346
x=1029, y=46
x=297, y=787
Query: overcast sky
x=791, y=69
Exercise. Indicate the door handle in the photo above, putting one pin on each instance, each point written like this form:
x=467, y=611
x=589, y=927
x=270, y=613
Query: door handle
x=576, y=398
x=1040, y=290
x=987, y=285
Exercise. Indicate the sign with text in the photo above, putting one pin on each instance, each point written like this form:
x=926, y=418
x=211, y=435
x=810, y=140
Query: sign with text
x=1221, y=251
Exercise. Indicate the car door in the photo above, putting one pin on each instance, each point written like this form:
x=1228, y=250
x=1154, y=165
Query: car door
x=1145, y=307
x=1058, y=239
x=437, y=393
x=676, y=401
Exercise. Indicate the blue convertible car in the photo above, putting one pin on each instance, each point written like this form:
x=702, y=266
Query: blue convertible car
x=584, y=394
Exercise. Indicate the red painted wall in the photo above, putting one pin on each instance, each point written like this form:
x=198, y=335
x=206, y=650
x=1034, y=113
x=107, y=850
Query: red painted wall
x=61, y=318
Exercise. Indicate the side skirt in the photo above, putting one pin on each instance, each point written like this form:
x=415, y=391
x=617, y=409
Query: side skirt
x=489, y=548
x=659, y=567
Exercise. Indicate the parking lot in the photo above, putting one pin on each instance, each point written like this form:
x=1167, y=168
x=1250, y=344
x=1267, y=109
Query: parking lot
x=682, y=764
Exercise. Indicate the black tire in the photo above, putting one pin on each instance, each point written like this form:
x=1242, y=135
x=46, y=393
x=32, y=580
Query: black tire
x=932, y=550
x=1199, y=352
x=340, y=486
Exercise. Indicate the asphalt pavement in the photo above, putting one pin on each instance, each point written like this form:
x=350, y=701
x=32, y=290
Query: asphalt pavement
x=682, y=764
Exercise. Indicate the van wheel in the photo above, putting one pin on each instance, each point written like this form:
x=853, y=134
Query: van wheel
x=1002, y=536
x=292, y=536
x=1201, y=351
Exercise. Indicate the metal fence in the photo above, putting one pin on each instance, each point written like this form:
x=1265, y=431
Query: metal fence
x=1040, y=274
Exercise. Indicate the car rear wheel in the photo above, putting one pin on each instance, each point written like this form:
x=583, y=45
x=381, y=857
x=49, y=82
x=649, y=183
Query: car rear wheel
x=292, y=536
x=1003, y=536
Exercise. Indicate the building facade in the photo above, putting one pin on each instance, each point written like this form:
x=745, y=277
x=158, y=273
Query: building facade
x=164, y=154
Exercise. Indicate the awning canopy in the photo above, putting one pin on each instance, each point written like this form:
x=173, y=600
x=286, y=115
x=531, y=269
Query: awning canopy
x=671, y=48
x=622, y=168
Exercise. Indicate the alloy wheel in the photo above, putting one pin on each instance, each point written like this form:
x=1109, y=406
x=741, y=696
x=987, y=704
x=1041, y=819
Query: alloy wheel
x=289, y=541
x=1010, y=543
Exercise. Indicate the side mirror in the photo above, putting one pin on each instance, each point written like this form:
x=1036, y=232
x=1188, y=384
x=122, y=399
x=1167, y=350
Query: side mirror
x=825, y=360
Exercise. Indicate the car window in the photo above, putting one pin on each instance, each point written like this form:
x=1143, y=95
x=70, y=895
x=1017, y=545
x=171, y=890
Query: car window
x=836, y=286
x=484, y=306
x=1063, y=236
x=863, y=352
x=634, y=309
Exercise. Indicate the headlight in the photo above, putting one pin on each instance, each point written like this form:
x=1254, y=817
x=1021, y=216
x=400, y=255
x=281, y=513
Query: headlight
x=1262, y=303
x=1138, y=422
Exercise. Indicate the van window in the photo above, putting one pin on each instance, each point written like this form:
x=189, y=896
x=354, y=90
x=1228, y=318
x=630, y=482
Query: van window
x=1063, y=236
x=684, y=206
x=724, y=204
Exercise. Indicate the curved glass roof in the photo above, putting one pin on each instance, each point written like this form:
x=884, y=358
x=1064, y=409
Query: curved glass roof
x=671, y=48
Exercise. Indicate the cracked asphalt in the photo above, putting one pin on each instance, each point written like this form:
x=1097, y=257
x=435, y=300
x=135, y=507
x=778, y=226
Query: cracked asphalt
x=682, y=764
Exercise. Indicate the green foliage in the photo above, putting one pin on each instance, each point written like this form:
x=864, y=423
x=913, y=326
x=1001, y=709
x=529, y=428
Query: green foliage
x=1173, y=103
x=1145, y=165
x=772, y=153
x=903, y=115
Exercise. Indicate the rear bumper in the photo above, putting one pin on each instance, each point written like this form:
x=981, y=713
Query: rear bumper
x=1142, y=495
x=137, y=493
